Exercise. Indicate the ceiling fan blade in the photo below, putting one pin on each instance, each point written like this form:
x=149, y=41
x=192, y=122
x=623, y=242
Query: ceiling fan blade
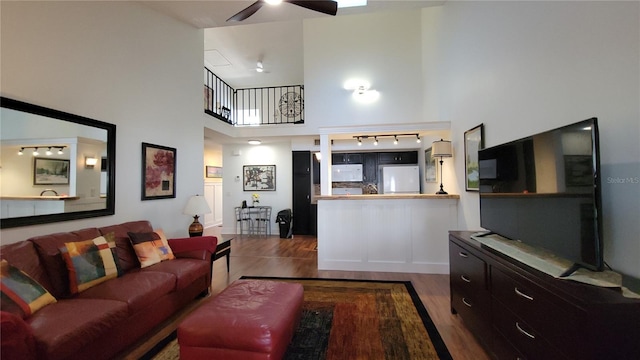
x=324, y=6
x=248, y=11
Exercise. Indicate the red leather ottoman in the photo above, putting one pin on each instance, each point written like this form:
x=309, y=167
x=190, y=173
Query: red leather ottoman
x=250, y=319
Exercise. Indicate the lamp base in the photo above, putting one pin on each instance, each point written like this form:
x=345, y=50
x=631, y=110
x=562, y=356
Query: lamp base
x=195, y=229
x=442, y=192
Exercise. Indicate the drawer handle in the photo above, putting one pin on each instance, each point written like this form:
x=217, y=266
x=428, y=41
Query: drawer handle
x=463, y=254
x=465, y=279
x=466, y=302
x=531, y=336
x=521, y=294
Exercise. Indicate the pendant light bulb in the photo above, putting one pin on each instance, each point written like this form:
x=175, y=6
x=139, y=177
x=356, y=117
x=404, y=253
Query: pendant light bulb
x=418, y=139
x=375, y=140
x=395, y=140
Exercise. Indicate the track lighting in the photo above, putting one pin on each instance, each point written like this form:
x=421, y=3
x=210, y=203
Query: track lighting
x=375, y=138
x=49, y=151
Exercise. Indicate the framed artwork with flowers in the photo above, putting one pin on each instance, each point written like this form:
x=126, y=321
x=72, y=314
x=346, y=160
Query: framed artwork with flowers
x=158, y=172
x=259, y=178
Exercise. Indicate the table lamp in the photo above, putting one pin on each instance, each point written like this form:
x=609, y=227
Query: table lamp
x=196, y=205
x=441, y=149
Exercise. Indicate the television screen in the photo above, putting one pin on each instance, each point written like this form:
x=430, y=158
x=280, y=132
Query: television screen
x=544, y=190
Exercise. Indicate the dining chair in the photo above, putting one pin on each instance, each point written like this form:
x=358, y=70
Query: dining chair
x=242, y=218
x=263, y=221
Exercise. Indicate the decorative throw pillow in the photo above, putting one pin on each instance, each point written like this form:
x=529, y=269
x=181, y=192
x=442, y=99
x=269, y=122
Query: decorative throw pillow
x=91, y=262
x=19, y=293
x=151, y=247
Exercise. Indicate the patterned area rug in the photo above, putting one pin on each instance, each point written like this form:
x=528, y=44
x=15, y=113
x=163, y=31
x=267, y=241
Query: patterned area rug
x=355, y=319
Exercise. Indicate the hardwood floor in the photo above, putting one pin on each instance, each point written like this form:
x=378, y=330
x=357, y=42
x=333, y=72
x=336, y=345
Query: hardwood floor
x=297, y=257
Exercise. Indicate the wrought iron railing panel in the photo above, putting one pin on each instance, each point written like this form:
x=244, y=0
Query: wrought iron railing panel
x=254, y=106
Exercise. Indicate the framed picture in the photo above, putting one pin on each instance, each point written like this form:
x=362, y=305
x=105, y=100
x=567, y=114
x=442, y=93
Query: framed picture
x=213, y=171
x=208, y=98
x=259, y=178
x=158, y=172
x=50, y=171
x=472, y=143
x=430, y=167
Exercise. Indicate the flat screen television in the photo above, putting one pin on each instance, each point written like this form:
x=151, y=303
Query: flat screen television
x=544, y=190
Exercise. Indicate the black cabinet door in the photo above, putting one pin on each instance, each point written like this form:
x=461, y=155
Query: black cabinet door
x=346, y=158
x=398, y=157
x=370, y=168
x=301, y=192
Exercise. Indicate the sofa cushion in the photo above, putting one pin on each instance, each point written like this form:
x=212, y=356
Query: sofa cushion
x=151, y=247
x=186, y=271
x=19, y=293
x=24, y=256
x=90, y=262
x=138, y=289
x=128, y=258
x=17, y=341
x=48, y=247
x=61, y=329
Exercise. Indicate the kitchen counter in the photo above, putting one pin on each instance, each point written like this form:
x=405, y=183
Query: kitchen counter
x=52, y=197
x=385, y=196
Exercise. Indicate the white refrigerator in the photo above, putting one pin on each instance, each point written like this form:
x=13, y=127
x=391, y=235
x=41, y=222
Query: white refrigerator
x=400, y=179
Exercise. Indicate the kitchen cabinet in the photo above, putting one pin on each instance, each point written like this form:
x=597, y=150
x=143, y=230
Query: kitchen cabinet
x=346, y=158
x=370, y=168
x=398, y=157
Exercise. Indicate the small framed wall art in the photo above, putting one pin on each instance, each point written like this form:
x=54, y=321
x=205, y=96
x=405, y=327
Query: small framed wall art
x=213, y=171
x=473, y=142
x=158, y=172
x=259, y=178
x=430, y=167
x=50, y=171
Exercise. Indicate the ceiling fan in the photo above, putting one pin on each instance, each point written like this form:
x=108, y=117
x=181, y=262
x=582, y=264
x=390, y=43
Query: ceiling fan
x=329, y=7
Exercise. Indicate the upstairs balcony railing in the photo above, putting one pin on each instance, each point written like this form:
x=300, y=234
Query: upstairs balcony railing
x=254, y=106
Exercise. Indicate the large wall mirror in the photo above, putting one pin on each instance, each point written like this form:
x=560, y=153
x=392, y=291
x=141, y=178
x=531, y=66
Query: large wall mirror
x=54, y=166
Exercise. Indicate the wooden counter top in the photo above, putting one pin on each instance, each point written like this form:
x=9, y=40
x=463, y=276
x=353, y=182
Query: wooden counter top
x=61, y=197
x=385, y=197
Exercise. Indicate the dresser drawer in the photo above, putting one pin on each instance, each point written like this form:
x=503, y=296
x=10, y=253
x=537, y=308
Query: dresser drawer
x=528, y=341
x=543, y=312
x=466, y=270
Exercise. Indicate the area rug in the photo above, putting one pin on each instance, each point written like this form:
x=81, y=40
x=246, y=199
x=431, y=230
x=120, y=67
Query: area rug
x=354, y=319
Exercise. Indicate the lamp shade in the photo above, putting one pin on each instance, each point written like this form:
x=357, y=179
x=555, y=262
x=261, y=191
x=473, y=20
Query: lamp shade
x=196, y=205
x=441, y=148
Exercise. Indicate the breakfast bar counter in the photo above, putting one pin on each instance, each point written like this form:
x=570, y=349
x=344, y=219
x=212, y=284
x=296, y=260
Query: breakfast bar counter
x=387, y=233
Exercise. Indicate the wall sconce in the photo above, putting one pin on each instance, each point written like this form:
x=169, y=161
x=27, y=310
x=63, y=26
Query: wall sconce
x=90, y=162
x=362, y=91
x=441, y=149
x=318, y=156
x=254, y=142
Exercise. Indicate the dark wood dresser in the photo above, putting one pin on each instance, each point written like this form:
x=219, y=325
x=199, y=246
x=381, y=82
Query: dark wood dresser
x=518, y=312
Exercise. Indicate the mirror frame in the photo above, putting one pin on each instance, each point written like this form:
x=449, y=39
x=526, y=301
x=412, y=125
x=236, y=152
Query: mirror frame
x=111, y=163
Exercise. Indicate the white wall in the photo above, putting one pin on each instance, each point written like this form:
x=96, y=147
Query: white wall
x=121, y=63
x=236, y=156
x=524, y=67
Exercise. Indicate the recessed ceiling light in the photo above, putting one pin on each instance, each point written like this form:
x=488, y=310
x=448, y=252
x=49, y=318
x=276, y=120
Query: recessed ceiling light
x=255, y=142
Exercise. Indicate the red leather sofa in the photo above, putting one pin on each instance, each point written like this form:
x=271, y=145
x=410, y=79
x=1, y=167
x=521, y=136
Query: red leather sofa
x=104, y=320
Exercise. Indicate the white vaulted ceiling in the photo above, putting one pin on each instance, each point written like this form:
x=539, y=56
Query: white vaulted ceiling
x=272, y=35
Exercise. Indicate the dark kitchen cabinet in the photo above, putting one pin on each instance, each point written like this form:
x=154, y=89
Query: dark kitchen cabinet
x=370, y=168
x=398, y=157
x=346, y=158
x=301, y=206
